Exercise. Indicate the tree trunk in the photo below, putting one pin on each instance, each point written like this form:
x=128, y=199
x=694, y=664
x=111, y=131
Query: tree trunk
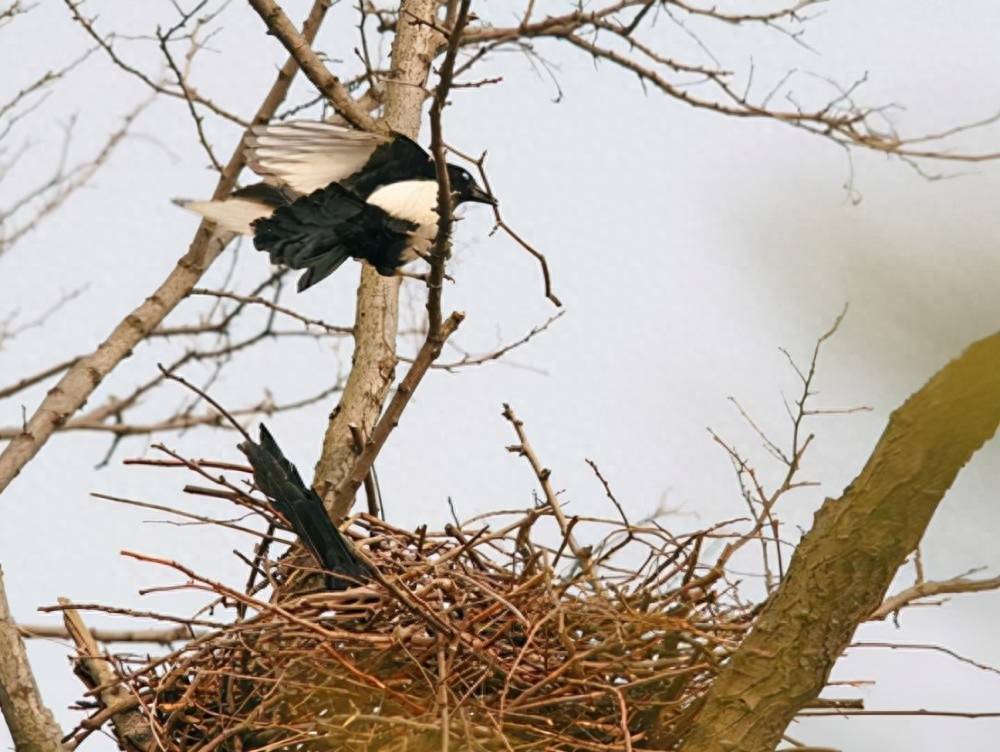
x=843, y=567
x=376, y=320
x=32, y=725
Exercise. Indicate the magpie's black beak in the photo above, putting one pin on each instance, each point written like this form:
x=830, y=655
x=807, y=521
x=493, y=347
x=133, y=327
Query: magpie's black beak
x=477, y=194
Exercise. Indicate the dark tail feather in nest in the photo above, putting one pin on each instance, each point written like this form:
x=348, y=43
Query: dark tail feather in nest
x=303, y=508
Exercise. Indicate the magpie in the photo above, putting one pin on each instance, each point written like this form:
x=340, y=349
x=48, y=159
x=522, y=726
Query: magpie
x=302, y=507
x=331, y=193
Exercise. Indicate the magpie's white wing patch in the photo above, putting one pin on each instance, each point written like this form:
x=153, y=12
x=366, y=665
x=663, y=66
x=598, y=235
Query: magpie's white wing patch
x=307, y=156
x=415, y=201
x=412, y=200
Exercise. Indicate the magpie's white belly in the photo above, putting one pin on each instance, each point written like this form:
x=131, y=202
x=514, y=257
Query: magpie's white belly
x=415, y=201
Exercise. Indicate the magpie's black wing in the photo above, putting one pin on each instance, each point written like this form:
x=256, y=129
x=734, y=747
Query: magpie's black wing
x=320, y=231
x=399, y=159
x=307, y=156
x=301, y=506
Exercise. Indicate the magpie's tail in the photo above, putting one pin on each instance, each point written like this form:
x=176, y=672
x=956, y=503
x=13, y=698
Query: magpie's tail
x=238, y=211
x=301, y=506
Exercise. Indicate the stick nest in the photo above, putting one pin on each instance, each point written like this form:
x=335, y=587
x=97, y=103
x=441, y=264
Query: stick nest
x=501, y=633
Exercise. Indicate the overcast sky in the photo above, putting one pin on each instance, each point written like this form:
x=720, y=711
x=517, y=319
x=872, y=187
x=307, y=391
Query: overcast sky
x=686, y=247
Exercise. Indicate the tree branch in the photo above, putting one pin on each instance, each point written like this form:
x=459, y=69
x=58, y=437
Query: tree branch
x=32, y=725
x=169, y=636
x=377, y=312
x=926, y=589
x=132, y=730
x=300, y=48
x=84, y=376
x=841, y=570
x=343, y=497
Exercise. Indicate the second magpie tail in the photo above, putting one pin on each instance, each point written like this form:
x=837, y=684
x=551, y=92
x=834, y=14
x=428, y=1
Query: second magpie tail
x=303, y=508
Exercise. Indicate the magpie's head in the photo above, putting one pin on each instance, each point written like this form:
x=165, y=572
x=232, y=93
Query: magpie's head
x=465, y=188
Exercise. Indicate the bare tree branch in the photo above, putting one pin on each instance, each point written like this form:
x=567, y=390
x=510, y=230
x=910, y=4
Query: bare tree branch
x=32, y=725
x=131, y=729
x=150, y=636
x=299, y=48
x=376, y=318
x=841, y=570
x=929, y=588
x=83, y=377
x=343, y=496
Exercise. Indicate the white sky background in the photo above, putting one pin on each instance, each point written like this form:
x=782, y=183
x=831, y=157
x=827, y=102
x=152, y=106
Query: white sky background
x=687, y=247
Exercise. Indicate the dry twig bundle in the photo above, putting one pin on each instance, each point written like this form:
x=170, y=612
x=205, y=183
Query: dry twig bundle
x=479, y=629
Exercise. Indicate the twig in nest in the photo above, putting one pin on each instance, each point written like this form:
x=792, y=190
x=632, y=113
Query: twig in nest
x=582, y=554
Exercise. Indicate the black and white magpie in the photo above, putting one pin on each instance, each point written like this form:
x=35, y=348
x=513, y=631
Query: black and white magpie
x=330, y=193
x=302, y=507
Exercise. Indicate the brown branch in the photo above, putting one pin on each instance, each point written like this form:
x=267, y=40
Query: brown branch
x=841, y=570
x=343, y=496
x=500, y=224
x=442, y=243
x=371, y=490
x=583, y=554
x=840, y=120
x=199, y=121
x=79, y=382
x=65, y=182
x=926, y=589
x=29, y=381
x=300, y=48
x=32, y=726
x=468, y=359
x=926, y=646
x=149, y=636
x=131, y=728
x=107, y=44
x=257, y=300
x=916, y=712
x=180, y=422
x=377, y=308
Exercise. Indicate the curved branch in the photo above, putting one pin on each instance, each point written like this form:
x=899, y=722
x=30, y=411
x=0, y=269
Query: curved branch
x=299, y=47
x=841, y=570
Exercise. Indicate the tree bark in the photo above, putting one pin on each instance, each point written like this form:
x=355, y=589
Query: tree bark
x=32, y=725
x=841, y=570
x=377, y=315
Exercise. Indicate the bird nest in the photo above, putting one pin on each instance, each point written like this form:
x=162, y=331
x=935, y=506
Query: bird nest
x=498, y=633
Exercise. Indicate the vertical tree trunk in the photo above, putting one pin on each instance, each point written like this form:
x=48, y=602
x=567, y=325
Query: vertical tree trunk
x=843, y=567
x=31, y=724
x=376, y=321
